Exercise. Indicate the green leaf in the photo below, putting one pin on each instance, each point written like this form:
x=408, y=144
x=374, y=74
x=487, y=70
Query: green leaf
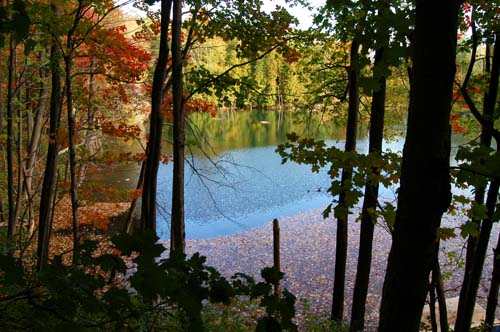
x=109, y=262
x=327, y=211
x=470, y=228
x=65, y=327
x=268, y=324
x=445, y=233
x=496, y=214
x=20, y=21
x=271, y=275
x=221, y=291
x=13, y=273
x=478, y=211
x=260, y=289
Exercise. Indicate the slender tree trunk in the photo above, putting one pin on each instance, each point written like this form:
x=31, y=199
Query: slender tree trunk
x=443, y=309
x=45, y=215
x=492, y=303
x=425, y=190
x=72, y=154
x=10, y=145
x=432, y=307
x=148, y=211
x=342, y=212
x=368, y=221
x=177, y=238
x=472, y=277
x=36, y=131
x=485, y=139
x=20, y=189
x=2, y=104
x=2, y=108
x=68, y=62
x=468, y=294
x=90, y=109
x=127, y=228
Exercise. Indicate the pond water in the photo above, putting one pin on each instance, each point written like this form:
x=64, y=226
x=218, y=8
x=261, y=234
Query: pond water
x=234, y=177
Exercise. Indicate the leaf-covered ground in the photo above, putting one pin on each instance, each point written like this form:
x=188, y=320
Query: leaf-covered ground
x=307, y=254
x=307, y=258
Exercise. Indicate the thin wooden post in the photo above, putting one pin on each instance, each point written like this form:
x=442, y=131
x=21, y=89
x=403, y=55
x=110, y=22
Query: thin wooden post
x=276, y=253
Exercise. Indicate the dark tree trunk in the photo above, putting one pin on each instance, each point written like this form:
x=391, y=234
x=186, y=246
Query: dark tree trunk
x=68, y=62
x=177, y=238
x=473, y=274
x=425, y=191
x=337, y=312
x=153, y=151
x=45, y=215
x=370, y=200
x=2, y=107
x=492, y=303
x=438, y=284
x=72, y=154
x=11, y=229
x=129, y=222
x=468, y=293
x=2, y=104
x=485, y=139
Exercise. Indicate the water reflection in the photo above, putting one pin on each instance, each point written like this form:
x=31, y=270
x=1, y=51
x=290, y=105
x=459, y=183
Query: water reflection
x=234, y=178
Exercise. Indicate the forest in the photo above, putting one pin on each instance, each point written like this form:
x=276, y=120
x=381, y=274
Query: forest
x=215, y=165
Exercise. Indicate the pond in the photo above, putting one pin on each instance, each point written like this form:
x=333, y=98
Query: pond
x=234, y=177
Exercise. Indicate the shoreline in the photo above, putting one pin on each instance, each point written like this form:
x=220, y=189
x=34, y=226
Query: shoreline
x=307, y=259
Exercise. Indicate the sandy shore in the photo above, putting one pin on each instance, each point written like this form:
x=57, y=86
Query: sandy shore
x=307, y=258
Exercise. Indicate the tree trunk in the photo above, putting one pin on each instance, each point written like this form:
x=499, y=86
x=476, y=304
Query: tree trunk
x=370, y=200
x=72, y=154
x=153, y=151
x=45, y=215
x=468, y=293
x=90, y=109
x=177, y=238
x=472, y=277
x=11, y=229
x=425, y=191
x=128, y=227
x=342, y=210
x=492, y=303
x=36, y=131
x=485, y=139
x=2, y=104
x=438, y=284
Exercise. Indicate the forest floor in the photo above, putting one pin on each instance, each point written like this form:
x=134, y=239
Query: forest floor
x=307, y=254
x=307, y=258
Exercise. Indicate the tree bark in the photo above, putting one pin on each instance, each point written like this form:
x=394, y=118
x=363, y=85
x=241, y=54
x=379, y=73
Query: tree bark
x=72, y=154
x=443, y=308
x=337, y=312
x=68, y=62
x=2, y=103
x=370, y=200
x=45, y=215
x=153, y=151
x=425, y=190
x=128, y=227
x=36, y=131
x=468, y=293
x=177, y=238
x=473, y=274
x=492, y=302
x=11, y=229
